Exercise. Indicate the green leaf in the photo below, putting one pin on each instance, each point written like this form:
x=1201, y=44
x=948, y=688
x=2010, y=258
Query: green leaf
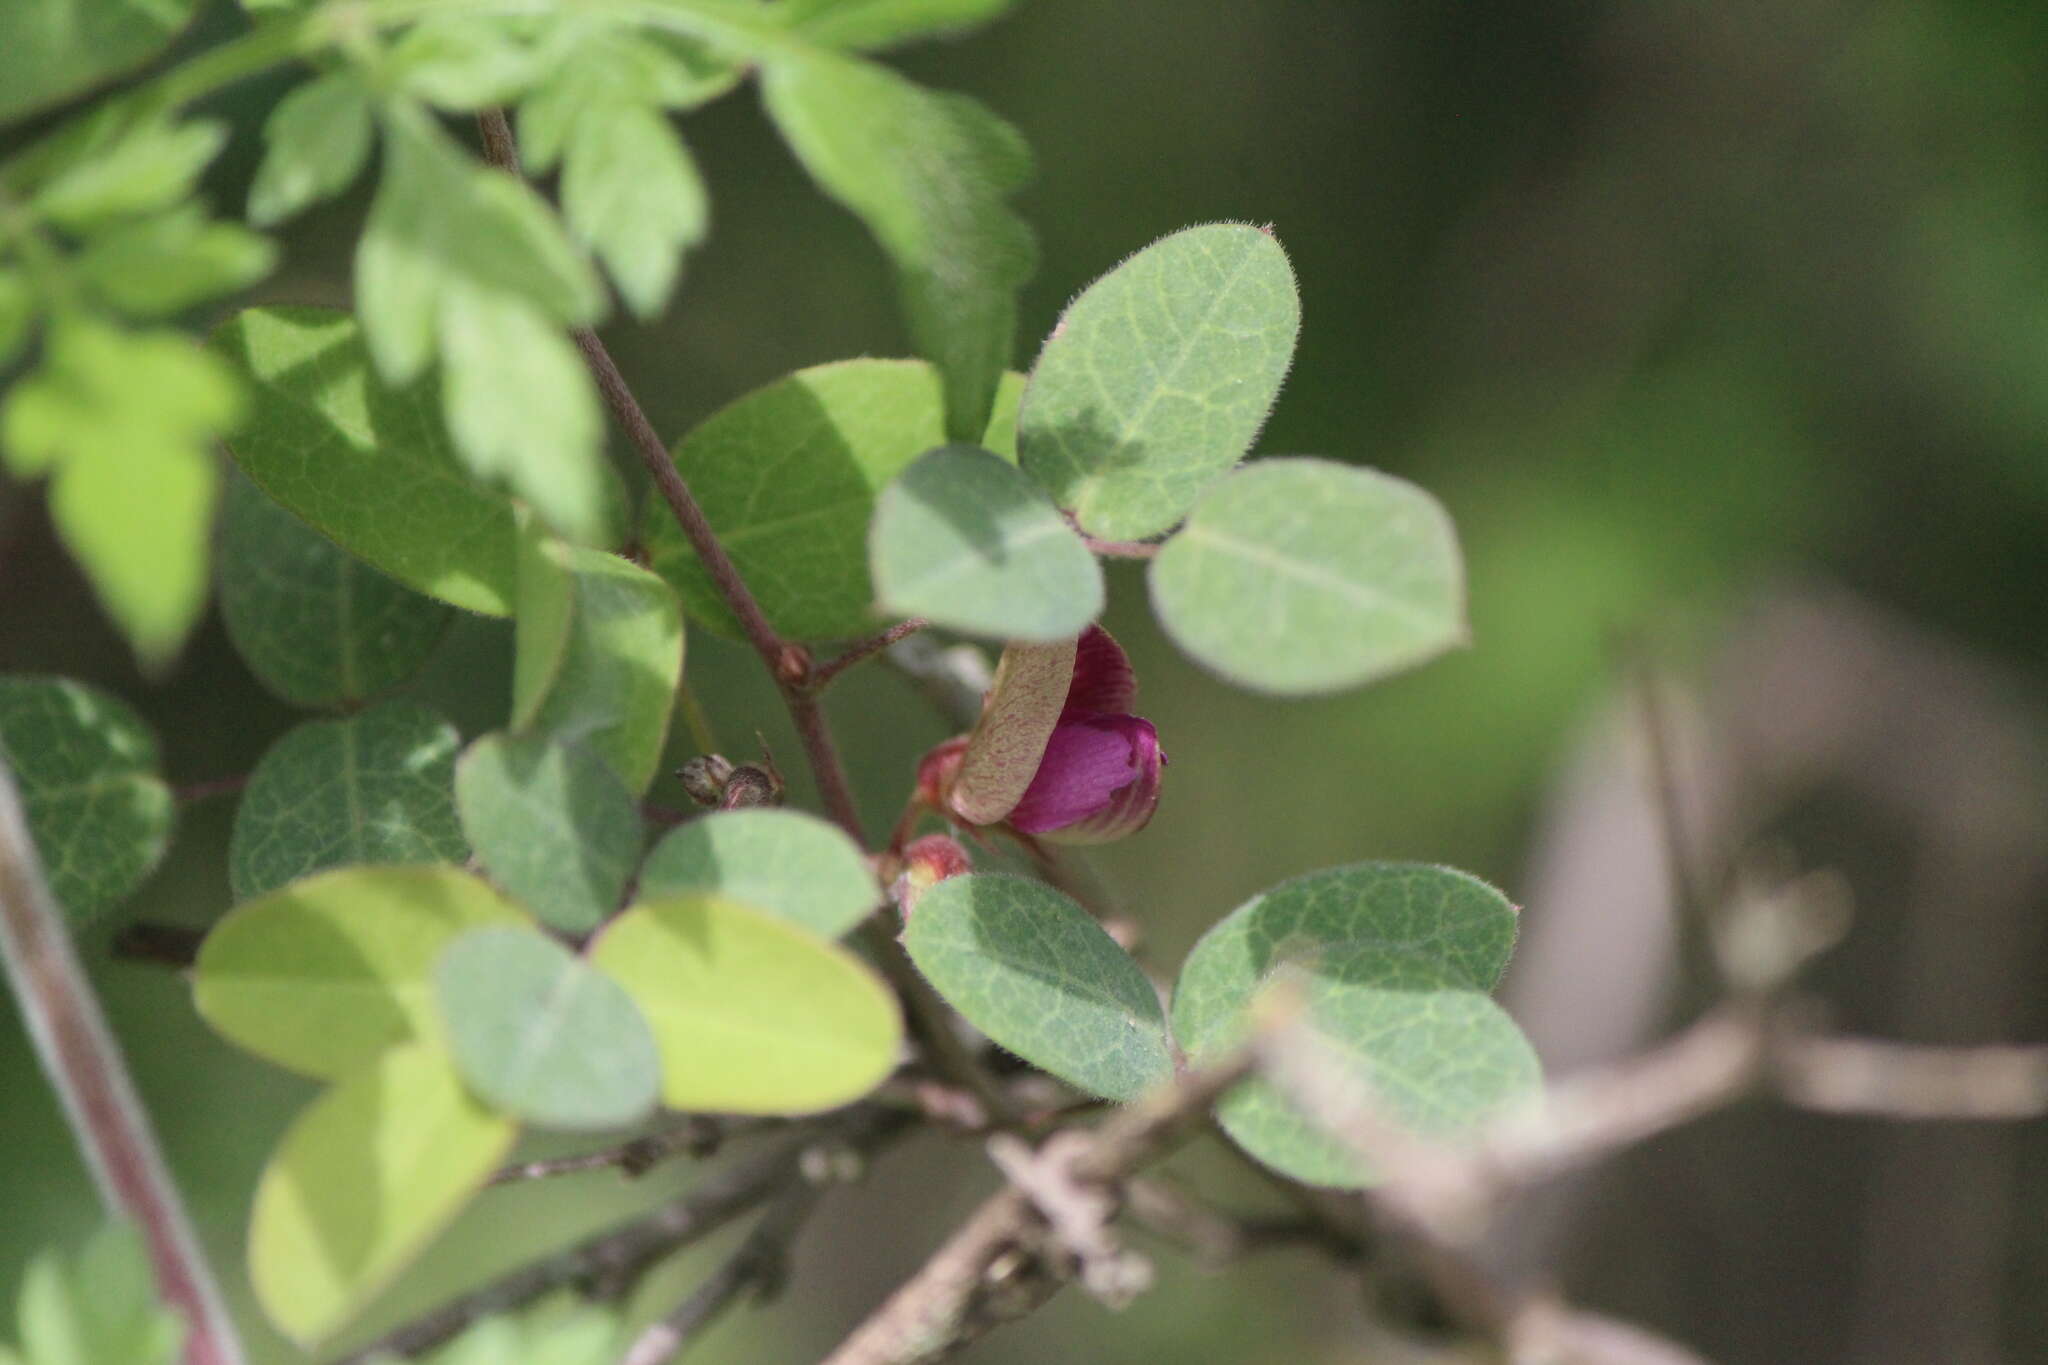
x=100, y=1306
x=374, y=788
x=631, y=192
x=542, y=618
x=366, y=464
x=621, y=660
x=315, y=143
x=463, y=62
x=562, y=1331
x=1394, y=961
x=541, y=1035
x=1299, y=576
x=553, y=825
x=317, y=626
x=591, y=65
x=141, y=168
x=752, y=1014
x=870, y=24
x=19, y=308
x=97, y=807
x=51, y=50
x=1033, y=971
x=782, y=861
x=928, y=173
x=788, y=476
x=155, y=266
x=1158, y=377
x=363, y=1180
x=963, y=539
x=326, y=974
x=123, y=422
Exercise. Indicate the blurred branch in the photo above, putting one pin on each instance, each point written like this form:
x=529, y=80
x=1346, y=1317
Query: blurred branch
x=695, y=1136
x=84, y=1063
x=756, y=1270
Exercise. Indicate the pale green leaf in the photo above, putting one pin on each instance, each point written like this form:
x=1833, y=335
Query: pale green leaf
x=373, y=788
x=1300, y=576
x=541, y=1035
x=752, y=1014
x=367, y=464
x=1158, y=377
x=1033, y=971
x=160, y=265
x=459, y=62
x=96, y=1308
x=870, y=24
x=788, y=476
x=591, y=65
x=315, y=143
x=122, y=421
x=18, y=309
x=563, y=1330
x=1394, y=962
x=968, y=542
x=632, y=193
x=86, y=766
x=329, y=972
x=929, y=174
x=144, y=167
x=621, y=660
x=782, y=861
x=553, y=825
x=363, y=1180
x=51, y=50
x=542, y=620
x=316, y=625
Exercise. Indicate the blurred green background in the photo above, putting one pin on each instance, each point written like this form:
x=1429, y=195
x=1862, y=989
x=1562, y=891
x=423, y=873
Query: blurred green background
x=1673, y=304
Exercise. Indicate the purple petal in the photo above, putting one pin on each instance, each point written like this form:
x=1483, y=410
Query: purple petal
x=1104, y=684
x=1099, y=781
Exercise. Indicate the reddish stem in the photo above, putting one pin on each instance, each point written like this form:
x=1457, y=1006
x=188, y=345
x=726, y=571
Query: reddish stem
x=824, y=673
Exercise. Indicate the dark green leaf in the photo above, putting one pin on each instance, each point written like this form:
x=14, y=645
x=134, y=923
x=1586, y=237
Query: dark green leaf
x=1029, y=968
x=541, y=1035
x=96, y=1308
x=97, y=808
x=1158, y=377
x=869, y=24
x=1298, y=576
x=1394, y=961
x=327, y=974
x=782, y=861
x=553, y=825
x=51, y=50
x=315, y=143
x=315, y=625
x=367, y=464
x=965, y=540
x=374, y=788
x=928, y=173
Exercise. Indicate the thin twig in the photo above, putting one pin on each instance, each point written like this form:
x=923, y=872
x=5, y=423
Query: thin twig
x=694, y=1136
x=190, y=792
x=84, y=1064
x=824, y=673
x=757, y=1269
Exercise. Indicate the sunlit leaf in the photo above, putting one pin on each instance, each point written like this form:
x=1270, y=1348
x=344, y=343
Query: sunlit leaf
x=315, y=143
x=153, y=266
x=869, y=24
x=632, y=193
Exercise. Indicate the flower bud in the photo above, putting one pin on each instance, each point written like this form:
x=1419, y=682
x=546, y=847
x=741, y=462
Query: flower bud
x=927, y=862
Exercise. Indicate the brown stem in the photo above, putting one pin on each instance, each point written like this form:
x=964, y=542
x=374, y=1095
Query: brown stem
x=756, y=1269
x=1121, y=549
x=85, y=1065
x=824, y=673
x=695, y=1136
x=191, y=792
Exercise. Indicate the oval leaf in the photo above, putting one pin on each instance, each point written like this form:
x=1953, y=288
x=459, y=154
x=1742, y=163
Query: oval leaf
x=1158, y=377
x=1299, y=576
x=87, y=769
x=553, y=825
x=543, y=1036
x=964, y=540
x=752, y=1014
x=315, y=625
x=363, y=1180
x=324, y=975
x=1033, y=971
x=621, y=658
x=367, y=464
x=1394, y=960
x=787, y=476
x=782, y=861
x=373, y=788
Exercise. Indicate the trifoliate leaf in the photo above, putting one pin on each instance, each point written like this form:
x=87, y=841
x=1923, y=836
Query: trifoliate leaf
x=928, y=173
x=460, y=62
x=783, y=861
x=632, y=193
x=589, y=64
x=160, y=265
x=374, y=788
x=1299, y=576
x=553, y=825
x=97, y=807
x=315, y=143
x=1158, y=377
x=965, y=540
x=1029, y=968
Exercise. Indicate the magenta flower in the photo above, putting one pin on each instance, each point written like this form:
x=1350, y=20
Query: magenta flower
x=1057, y=754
